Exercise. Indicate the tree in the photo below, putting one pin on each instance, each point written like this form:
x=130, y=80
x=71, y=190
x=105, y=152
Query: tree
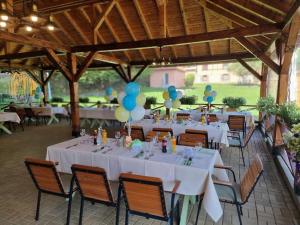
x=189, y=80
x=240, y=70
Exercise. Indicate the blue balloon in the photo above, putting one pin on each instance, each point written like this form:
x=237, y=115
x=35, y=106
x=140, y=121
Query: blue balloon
x=173, y=95
x=109, y=91
x=132, y=88
x=129, y=102
x=208, y=88
x=38, y=89
x=171, y=89
x=210, y=99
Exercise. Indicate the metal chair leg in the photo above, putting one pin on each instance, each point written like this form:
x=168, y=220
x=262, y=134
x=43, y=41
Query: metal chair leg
x=118, y=205
x=81, y=210
x=198, y=210
x=178, y=213
x=37, y=214
x=239, y=213
x=70, y=200
x=242, y=151
x=126, y=217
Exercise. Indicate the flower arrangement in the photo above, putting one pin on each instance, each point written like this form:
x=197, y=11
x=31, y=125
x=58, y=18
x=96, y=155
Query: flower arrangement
x=292, y=140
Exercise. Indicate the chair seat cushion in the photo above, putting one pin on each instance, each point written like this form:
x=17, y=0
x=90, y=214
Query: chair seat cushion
x=226, y=194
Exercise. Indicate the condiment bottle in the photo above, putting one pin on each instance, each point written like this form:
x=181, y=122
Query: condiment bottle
x=104, y=136
x=173, y=140
x=164, y=143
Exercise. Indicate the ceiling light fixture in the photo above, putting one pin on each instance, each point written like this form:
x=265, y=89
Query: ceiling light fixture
x=3, y=11
x=161, y=61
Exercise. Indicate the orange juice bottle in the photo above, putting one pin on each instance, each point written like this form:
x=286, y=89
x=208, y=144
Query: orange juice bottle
x=173, y=140
x=104, y=136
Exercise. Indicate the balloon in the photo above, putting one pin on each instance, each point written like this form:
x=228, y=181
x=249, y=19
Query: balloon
x=210, y=99
x=208, y=88
x=173, y=95
x=179, y=94
x=166, y=95
x=205, y=98
x=129, y=102
x=121, y=96
x=207, y=93
x=171, y=89
x=111, y=97
x=108, y=91
x=141, y=99
x=213, y=93
x=132, y=88
x=121, y=114
x=168, y=104
x=176, y=104
x=114, y=93
x=137, y=113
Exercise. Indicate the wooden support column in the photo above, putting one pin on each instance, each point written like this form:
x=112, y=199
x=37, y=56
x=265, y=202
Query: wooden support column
x=44, y=87
x=263, y=83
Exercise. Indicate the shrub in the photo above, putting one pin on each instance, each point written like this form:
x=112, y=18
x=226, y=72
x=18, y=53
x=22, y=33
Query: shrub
x=234, y=103
x=57, y=99
x=290, y=113
x=149, y=102
x=188, y=100
x=84, y=100
x=114, y=101
x=189, y=80
x=267, y=105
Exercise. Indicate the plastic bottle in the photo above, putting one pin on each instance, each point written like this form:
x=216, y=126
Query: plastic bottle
x=104, y=136
x=164, y=145
x=173, y=144
x=95, y=137
x=99, y=136
x=169, y=143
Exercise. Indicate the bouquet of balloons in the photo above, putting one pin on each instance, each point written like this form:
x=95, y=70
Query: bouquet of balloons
x=38, y=94
x=131, y=102
x=110, y=93
x=209, y=94
x=172, y=98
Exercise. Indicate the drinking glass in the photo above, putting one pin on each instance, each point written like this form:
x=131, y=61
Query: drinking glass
x=199, y=146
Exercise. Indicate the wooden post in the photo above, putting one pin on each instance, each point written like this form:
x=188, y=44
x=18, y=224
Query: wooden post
x=263, y=84
x=44, y=87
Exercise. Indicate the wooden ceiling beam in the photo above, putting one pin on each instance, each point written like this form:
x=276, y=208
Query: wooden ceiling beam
x=49, y=76
x=250, y=69
x=162, y=13
x=205, y=13
x=181, y=40
x=139, y=72
x=87, y=61
x=104, y=14
x=22, y=39
x=258, y=53
x=34, y=77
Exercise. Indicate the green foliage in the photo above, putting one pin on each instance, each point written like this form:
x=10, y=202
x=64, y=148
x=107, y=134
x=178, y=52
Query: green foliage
x=240, y=70
x=267, y=105
x=290, y=113
x=57, y=99
x=234, y=103
x=151, y=100
x=84, y=100
x=144, y=78
x=189, y=80
x=292, y=139
x=114, y=101
x=95, y=79
x=188, y=100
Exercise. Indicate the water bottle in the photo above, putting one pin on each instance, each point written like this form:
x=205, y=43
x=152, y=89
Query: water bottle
x=99, y=136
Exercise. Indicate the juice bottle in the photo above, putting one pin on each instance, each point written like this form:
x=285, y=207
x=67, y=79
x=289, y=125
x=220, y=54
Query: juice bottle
x=173, y=144
x=104, y=136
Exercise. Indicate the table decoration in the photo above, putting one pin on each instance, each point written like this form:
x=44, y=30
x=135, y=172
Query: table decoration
x=110, y=94
x=209, y=95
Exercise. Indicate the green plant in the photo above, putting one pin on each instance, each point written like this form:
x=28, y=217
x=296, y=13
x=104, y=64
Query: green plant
x=57, y=99
x=289, y=113
x=234, y=103
x=189, y=80
x=150, y=100
x=188, y=100
x=114, y=101
x=267, y=105
x=84, y=100
x=292, y=139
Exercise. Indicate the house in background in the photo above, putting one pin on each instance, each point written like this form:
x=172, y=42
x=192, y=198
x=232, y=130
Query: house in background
x=164, y=77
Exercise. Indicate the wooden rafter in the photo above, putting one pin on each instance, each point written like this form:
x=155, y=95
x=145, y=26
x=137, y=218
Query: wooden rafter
x=162, y=13
x=281, y=7
x=104, y=14
x=139, y=72
x=258, y=53
x=88, y=60
x=205, y=13
x=49, y=76
x=31, y=73
x=182, y=40
x=65, y=32
x=250, y=69
x=121, y=73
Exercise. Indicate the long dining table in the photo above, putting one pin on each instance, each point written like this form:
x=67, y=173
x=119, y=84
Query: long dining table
x=195, y=177
x=8, y=117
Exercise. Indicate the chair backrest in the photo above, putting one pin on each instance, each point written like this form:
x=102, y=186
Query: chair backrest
x=92, y=183
x=12, y=108
x=182, y=116
x=29, y=112
x=151, y=134
x=236, y=122
x=192, y=139
x=213, y=117
x=137, y=132
x=166, y=130
x=45, y=176
x=143, y=194
x=251, y=177
x=249, y=135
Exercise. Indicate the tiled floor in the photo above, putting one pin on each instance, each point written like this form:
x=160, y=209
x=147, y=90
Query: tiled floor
x=270, y=204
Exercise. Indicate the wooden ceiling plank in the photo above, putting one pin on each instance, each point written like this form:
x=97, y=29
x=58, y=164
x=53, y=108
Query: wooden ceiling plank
x=205, y=13
x=162, y=13
x=104, y=14
x=250, y=69
x=62, y=28
x=275, y=5
x=258, y=53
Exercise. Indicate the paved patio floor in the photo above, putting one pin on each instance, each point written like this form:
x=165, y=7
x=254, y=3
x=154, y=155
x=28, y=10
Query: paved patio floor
x=271, y=203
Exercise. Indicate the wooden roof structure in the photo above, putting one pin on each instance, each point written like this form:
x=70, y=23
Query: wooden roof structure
x=133, y=31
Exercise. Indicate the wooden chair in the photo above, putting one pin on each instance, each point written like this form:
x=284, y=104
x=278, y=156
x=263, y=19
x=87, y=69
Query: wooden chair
x=166, y=130
x=151, y=134
x=93, y=186
x=236, y=141
x=191, y=140
x=137, y=132
x=213, y=117
x=144, y=196
x=47, y=180
x=31, y=115
x=238, y=194
x=200, y=135
x=182, y=116
x=237, y=123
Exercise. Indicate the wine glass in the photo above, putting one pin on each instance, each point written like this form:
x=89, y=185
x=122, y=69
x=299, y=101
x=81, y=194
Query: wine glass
x=82, y=132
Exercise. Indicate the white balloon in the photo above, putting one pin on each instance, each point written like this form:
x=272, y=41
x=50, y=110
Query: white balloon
x=168, y=103
x=179, y=94
x=121, y=96
x=137, y=113
x=205, y=98
x=214, y=93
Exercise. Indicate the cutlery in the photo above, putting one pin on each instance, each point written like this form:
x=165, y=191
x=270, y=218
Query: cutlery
x=71, y=146
x=98, y=150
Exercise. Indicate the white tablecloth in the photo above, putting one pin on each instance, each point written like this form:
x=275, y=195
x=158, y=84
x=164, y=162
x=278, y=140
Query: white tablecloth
x=216, y=131
x=196, y=115
x=49, y=111
x=195, y=179
x=9, y=116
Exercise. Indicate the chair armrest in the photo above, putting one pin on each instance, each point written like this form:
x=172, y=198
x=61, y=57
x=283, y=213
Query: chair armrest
x=223, y=183
x=229, y=168
x=176, y=186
